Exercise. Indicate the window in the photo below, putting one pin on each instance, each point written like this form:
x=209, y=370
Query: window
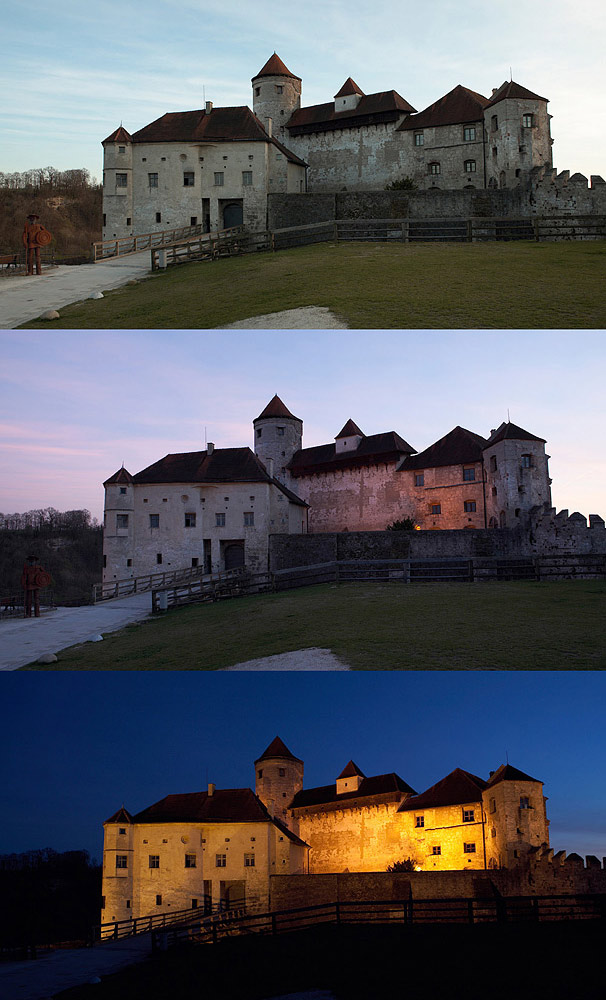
x=219, y=520
x=259, y=432
x=279, y=89
x=280, y=432
x=102, y=902
x=527, y=461
x=152, y=180
x=219, y=178
x=469, y=506
x=158, y=900
x=249, y=861
x=122, y=149
x=493, y=463
x=128, y=220
x=189, y=178
x=420, y=479
x=123, y=490
x=469, y=134
x=158, y=216
x=494, y=123
x=469, y=848
x=193, y=220
x=436, y=508
x=259, y=774
x=436, y=850
x=129, y=563
x=470, y=166
x=419, y=822
x=419, y=138
x=433, y=168
x=220, y=860
x=469, y=475
x=524, y=802
x=190, y=520
x=154, y=520
x=159, y=558
x=121, y=521
x=493, y=805
x=257, y=91
x=468, y=815
x=528, y=121
x=122, y=830
x=249, y=519
x=190, y=860
x=154, y=860
x=121, y=861
x=194, y=561
x=128, y=904
x=121, y=180
x=104, y=219
x=247, y=178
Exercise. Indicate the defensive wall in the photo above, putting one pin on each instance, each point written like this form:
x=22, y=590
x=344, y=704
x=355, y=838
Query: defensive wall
x=545, y=193
x=541, y=873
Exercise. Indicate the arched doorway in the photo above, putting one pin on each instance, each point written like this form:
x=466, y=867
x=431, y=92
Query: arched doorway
x=233, y=214
x=233, y=554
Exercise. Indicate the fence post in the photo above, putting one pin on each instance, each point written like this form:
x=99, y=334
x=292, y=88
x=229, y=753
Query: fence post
x=469, y=230
x=536, y=228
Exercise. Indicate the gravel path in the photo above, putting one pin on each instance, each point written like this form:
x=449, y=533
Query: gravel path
x=300, y=659
x=304, y=318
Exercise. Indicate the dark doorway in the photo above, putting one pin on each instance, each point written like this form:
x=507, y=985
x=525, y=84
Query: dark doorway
x=233, y=214
x=233, y=554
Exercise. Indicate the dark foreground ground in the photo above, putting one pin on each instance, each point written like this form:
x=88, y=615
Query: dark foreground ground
x=555, y=961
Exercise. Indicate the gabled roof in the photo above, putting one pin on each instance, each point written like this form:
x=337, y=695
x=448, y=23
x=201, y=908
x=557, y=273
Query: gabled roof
x=508, y=773
x=511, y=432
x=458, y=447
x=277, y=749
x=120, y=135
x=219, y=125
x=349, y=88
x=122, y=816
x=224, y=465
x=385, y=106
x=350, y=771
x=350, y=430
x=512, y=89
x=381, y=784
x=457, y=788
x=458, y=106
x=276, y=408
x=121, y=476
x=227, y=805
x=387, y=447
x=275, y=67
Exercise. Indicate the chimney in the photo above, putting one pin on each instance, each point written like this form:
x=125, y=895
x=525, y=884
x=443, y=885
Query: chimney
x=211, y=789
x=494, y=90
x=208, y=107
x=210, y=448
x=269, y=126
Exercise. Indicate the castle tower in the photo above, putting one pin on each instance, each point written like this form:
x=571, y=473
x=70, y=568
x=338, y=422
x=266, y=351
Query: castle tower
x=517, y=475
x=350, y=779
x=278, y=777
x=349, y=96
x=518, y=134
x=516, y=819
x=118, y=867
x=276, y=94
x=349, y=438
x=278, y=434
x=117, y=184
x=118, y=527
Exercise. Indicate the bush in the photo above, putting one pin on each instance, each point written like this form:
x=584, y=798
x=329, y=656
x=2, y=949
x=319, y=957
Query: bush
x=404, y=184
x=406, y=865
x=406, y=524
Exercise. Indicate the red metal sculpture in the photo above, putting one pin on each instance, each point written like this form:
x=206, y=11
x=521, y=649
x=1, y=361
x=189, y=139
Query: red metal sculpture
x=34, y=237
x=33, y=579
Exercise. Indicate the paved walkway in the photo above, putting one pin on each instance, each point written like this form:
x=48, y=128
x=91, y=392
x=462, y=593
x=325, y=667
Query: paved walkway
x=23, y=640
x=25, y=298
x=60, y=970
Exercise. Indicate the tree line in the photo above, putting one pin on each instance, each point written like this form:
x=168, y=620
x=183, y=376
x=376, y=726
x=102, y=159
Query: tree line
x=49, y=521
x=49, y=180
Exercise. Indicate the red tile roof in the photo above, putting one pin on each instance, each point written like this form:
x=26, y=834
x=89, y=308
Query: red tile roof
x=276, y=408
x=458, y=106
x=511, y=432
x=512, y=89
x=275, y=67
x=508, y=773
x=387, y=447
x=350, y=771
x=120, y=135
x=277, y=749
x=350, y=430
x=372, y=109
x=349, y=87
x=121, y=476
x=458, y=447
x=379, y=785
x=457, y=788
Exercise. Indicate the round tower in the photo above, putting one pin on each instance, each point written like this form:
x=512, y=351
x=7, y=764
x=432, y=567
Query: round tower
x=118, y=526
x=118, y=868
x=516, y=816
x=276, y=95
x=278, y=434
x=517, y=475
x=117, y=184
x=278, y=778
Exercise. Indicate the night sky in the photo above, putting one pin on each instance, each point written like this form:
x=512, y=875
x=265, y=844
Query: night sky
x=75, y=747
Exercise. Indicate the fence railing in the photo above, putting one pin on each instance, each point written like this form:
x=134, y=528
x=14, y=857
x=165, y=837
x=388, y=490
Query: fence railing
x=139, y=584
x=211, y=587
x=205, y=913
x=124, y=245
x=210, y=246
x=404, y=912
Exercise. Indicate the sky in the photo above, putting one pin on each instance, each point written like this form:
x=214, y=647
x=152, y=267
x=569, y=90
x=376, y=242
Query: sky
x=75, y=747
x=74, y=71
x=76, y=405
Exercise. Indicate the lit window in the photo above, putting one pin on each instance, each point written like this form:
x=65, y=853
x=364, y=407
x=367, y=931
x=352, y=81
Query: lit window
x=154, y=860
x=469, y=134
x=219, y=178
x=154, y=520
x=469, y=506
x=189, y=179
x=219, y=520
x=152, y=180
x=121, y=861
x=190, y=860
x=468, y=815
x=420, y=479
x=469, y=475
x=249, y=861
x=469, y=848
x=190, y=520
x=419, y=138
x=121, y=180
x=221, y=861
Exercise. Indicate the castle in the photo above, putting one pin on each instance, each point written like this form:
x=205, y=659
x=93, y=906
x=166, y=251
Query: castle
x=218, y=507
x=216, y=167
x=191, y=850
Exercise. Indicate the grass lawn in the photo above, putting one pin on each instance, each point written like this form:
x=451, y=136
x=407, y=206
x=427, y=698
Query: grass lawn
x=372, y=626
x=371, y=286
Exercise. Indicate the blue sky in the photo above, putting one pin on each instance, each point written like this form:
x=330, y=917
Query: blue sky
x=75, y=747
x=95, y=65
x=97, y=399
